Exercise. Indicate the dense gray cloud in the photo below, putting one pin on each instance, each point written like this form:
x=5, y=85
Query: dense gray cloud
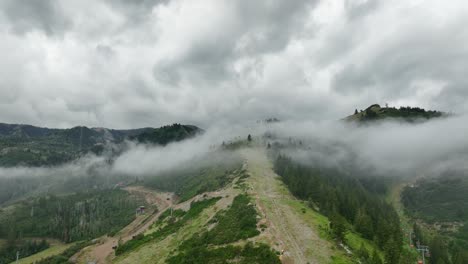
x=390, y=148
x=150, y=62
x=27, y=15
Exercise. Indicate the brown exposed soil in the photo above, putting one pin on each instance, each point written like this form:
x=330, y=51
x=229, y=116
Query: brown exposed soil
x=286, y=231
x=102, y=252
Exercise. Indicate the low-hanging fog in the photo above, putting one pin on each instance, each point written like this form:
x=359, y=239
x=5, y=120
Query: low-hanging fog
x=390, y=147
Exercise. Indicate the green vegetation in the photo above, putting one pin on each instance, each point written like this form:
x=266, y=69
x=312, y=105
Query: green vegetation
x=439, y=199
x=169, y=225
x=196, y=179
x=69, y=218
x=260, y=254
x=234, y=224
x=36, y=146
x=167, y=134
x=441, y=205
x=24, y=247
x=344, y=199
x=63, y=257
x=410, y=114
x=26, y=186
x=53, y=250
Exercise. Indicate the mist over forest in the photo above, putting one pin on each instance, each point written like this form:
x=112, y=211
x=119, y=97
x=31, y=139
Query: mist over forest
x=230, y=131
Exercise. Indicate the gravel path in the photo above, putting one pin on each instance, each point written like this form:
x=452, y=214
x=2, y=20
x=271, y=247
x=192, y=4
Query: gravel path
x=287, y=231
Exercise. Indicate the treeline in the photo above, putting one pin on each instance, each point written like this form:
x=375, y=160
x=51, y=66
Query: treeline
x=442, y=201
x=412, y=112
x=443, y=249
x=408, y=113
x=23, y=247
x=344, y=198
x=70, y=218
x=167, y=134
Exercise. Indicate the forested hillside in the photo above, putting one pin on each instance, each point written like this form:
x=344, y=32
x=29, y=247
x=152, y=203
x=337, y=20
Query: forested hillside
x=23, y=246
x=440, y=206
x=344, y=200
x=167, y=134
x=35, y=146
x=69, y=218
x=409, y=114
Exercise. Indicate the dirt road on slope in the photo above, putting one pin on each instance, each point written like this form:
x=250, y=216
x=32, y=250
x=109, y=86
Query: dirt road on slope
x=157, y=251
x=287, y=231
x=103, y=251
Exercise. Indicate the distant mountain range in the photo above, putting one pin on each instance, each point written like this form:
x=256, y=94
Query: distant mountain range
x=26, y=145
x=38, y=146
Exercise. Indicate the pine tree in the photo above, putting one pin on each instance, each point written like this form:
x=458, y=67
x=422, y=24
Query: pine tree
x=439, y=252
x=338, y=225
x=375, y=259
x=362, y=253
x=392, y=252
x=363, y=224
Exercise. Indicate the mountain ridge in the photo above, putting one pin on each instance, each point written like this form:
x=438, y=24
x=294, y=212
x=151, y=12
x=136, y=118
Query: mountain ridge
x=29, y=145
x=409, y=114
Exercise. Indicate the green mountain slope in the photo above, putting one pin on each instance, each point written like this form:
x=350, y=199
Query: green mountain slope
x=167, y=134
x=35, y=146
x=240, y=212
x=439, y=208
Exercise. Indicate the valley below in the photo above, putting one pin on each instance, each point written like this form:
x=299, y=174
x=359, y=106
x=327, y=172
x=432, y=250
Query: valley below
x=152, y=196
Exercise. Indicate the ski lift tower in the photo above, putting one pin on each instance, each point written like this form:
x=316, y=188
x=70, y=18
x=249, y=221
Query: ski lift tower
x=424, y=250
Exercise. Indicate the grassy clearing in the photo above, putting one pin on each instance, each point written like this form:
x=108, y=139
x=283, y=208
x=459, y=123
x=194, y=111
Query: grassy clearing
x=302, y=230
x=156, y=251
x=173, y=225
x=341, y=259
x=52, y=251
x=355, y=241
x=198, y=177
x=321, y=224
x=63, y=256
x=250, y=253
x=311, y=217
x=235, y=224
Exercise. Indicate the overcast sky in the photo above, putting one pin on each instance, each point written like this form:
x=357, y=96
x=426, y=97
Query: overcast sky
x=126, y=64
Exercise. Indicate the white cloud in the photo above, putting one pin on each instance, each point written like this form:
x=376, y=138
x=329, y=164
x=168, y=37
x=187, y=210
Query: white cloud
x=147, y=63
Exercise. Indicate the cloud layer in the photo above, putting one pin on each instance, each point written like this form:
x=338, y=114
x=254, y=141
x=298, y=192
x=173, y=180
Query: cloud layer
x=389, y=148
x=126, y=64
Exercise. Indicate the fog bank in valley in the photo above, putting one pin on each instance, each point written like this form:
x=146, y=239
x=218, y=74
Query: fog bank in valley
x=387, y=148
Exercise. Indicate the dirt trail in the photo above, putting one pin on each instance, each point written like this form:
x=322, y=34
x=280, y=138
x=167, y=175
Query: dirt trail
x=287, y=230
x=103, y=251
x=156, y=252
